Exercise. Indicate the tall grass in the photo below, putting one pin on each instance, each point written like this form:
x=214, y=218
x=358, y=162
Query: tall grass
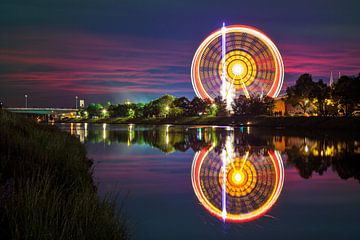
x=46, y=186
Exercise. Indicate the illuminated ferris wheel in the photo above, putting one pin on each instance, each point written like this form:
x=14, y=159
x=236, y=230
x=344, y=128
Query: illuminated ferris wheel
x=239, y=188
x=237, y=60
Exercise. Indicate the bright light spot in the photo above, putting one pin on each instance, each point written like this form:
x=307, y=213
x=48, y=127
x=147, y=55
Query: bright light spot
x=306, y=148
x=167, y=108
x=237, y=69
x=237, y=177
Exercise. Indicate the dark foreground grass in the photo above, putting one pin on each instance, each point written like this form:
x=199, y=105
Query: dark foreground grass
x=46, y=186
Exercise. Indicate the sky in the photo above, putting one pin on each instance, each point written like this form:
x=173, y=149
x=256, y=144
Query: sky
x=137, y=50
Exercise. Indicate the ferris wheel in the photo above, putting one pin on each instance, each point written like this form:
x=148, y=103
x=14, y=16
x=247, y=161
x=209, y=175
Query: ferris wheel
x=237, y=60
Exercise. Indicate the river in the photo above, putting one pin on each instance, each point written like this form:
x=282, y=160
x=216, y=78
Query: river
x=213, y=182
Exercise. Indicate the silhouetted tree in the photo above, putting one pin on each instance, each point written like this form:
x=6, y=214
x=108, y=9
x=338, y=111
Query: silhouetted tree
x=253, y=106
x=220, y=107
x=300, y=93
x=198, y=107
x=181, y=106
x=346, y=91
x=240, y=106
x=318, y=94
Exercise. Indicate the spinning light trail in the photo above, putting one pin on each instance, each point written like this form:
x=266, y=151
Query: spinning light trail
x=237, y=60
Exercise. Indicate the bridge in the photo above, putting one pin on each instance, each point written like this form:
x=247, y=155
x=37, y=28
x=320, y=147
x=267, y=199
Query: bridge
x=42, y=111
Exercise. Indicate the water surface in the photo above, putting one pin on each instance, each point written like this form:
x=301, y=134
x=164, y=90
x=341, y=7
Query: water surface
x=204, y=182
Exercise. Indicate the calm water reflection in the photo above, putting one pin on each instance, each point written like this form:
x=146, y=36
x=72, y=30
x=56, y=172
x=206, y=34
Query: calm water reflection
x=227, y=183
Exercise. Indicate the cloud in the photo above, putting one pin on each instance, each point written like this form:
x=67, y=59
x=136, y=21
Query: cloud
x=67, y=62
x=93, y=64
x=321, y=59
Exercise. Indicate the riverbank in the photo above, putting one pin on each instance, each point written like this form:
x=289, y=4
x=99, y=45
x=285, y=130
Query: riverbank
x=318, y=123
x=46, y=186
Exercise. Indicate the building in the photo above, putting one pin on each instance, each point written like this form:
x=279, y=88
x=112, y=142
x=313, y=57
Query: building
x=82, y=103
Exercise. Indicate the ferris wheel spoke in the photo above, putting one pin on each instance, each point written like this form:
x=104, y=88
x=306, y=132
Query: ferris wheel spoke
x=245, y=90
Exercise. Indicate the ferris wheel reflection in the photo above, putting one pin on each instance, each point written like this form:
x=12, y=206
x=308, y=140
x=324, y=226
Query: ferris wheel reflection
x=237, y=186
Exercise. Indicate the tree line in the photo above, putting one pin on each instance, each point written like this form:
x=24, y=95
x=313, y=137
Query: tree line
x=316, y=97
x=312, y=97
x=169, y=106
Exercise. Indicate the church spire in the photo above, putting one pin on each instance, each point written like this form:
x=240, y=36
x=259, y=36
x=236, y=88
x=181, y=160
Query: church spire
x=331, y=81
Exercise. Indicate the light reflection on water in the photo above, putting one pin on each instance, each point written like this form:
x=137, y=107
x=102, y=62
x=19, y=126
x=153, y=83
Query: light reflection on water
x=211, y=180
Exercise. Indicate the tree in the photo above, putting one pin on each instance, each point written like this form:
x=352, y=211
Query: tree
x=253, y=106
x=346, y=92
x=269, y=104
x=240, y=106
x=300, y=93
x=119, y=110
x=149, y=110
x=220, y=107
x=94, y=109
x=180, y=106
x=182, y=103
x=318, y=94
x=198, y=107
x=160, y=107
x=139, y=110
x=260, y=106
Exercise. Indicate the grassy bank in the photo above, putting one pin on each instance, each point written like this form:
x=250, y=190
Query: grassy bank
x=290, y=123
x=46, y=186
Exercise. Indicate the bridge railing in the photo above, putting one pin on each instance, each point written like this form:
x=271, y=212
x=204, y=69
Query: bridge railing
x=44, y=109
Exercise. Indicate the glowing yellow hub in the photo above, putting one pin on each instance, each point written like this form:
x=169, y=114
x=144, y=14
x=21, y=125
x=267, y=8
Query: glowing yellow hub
x=237, y=69
x=237, y=178
x=240, y=68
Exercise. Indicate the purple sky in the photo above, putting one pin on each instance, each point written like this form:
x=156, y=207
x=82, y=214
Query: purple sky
x=138, y=50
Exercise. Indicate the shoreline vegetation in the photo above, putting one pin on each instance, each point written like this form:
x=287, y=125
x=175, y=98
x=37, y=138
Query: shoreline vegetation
x=307, y=105
x=46, y=186
x=285, y=123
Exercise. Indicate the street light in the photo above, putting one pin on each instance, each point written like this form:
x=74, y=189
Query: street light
x=166, y=111
x=104, y=112
x=26, y=100
x=76, y=101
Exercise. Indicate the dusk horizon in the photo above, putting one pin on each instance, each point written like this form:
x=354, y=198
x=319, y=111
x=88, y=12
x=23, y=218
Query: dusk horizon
x=140, y=50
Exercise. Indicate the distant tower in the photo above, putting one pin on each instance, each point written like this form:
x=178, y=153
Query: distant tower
x=339, y=75
x=331, y=81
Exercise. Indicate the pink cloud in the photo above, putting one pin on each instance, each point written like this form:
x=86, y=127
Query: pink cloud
x=65, y=60
x=321, y=59
x=97, y=64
